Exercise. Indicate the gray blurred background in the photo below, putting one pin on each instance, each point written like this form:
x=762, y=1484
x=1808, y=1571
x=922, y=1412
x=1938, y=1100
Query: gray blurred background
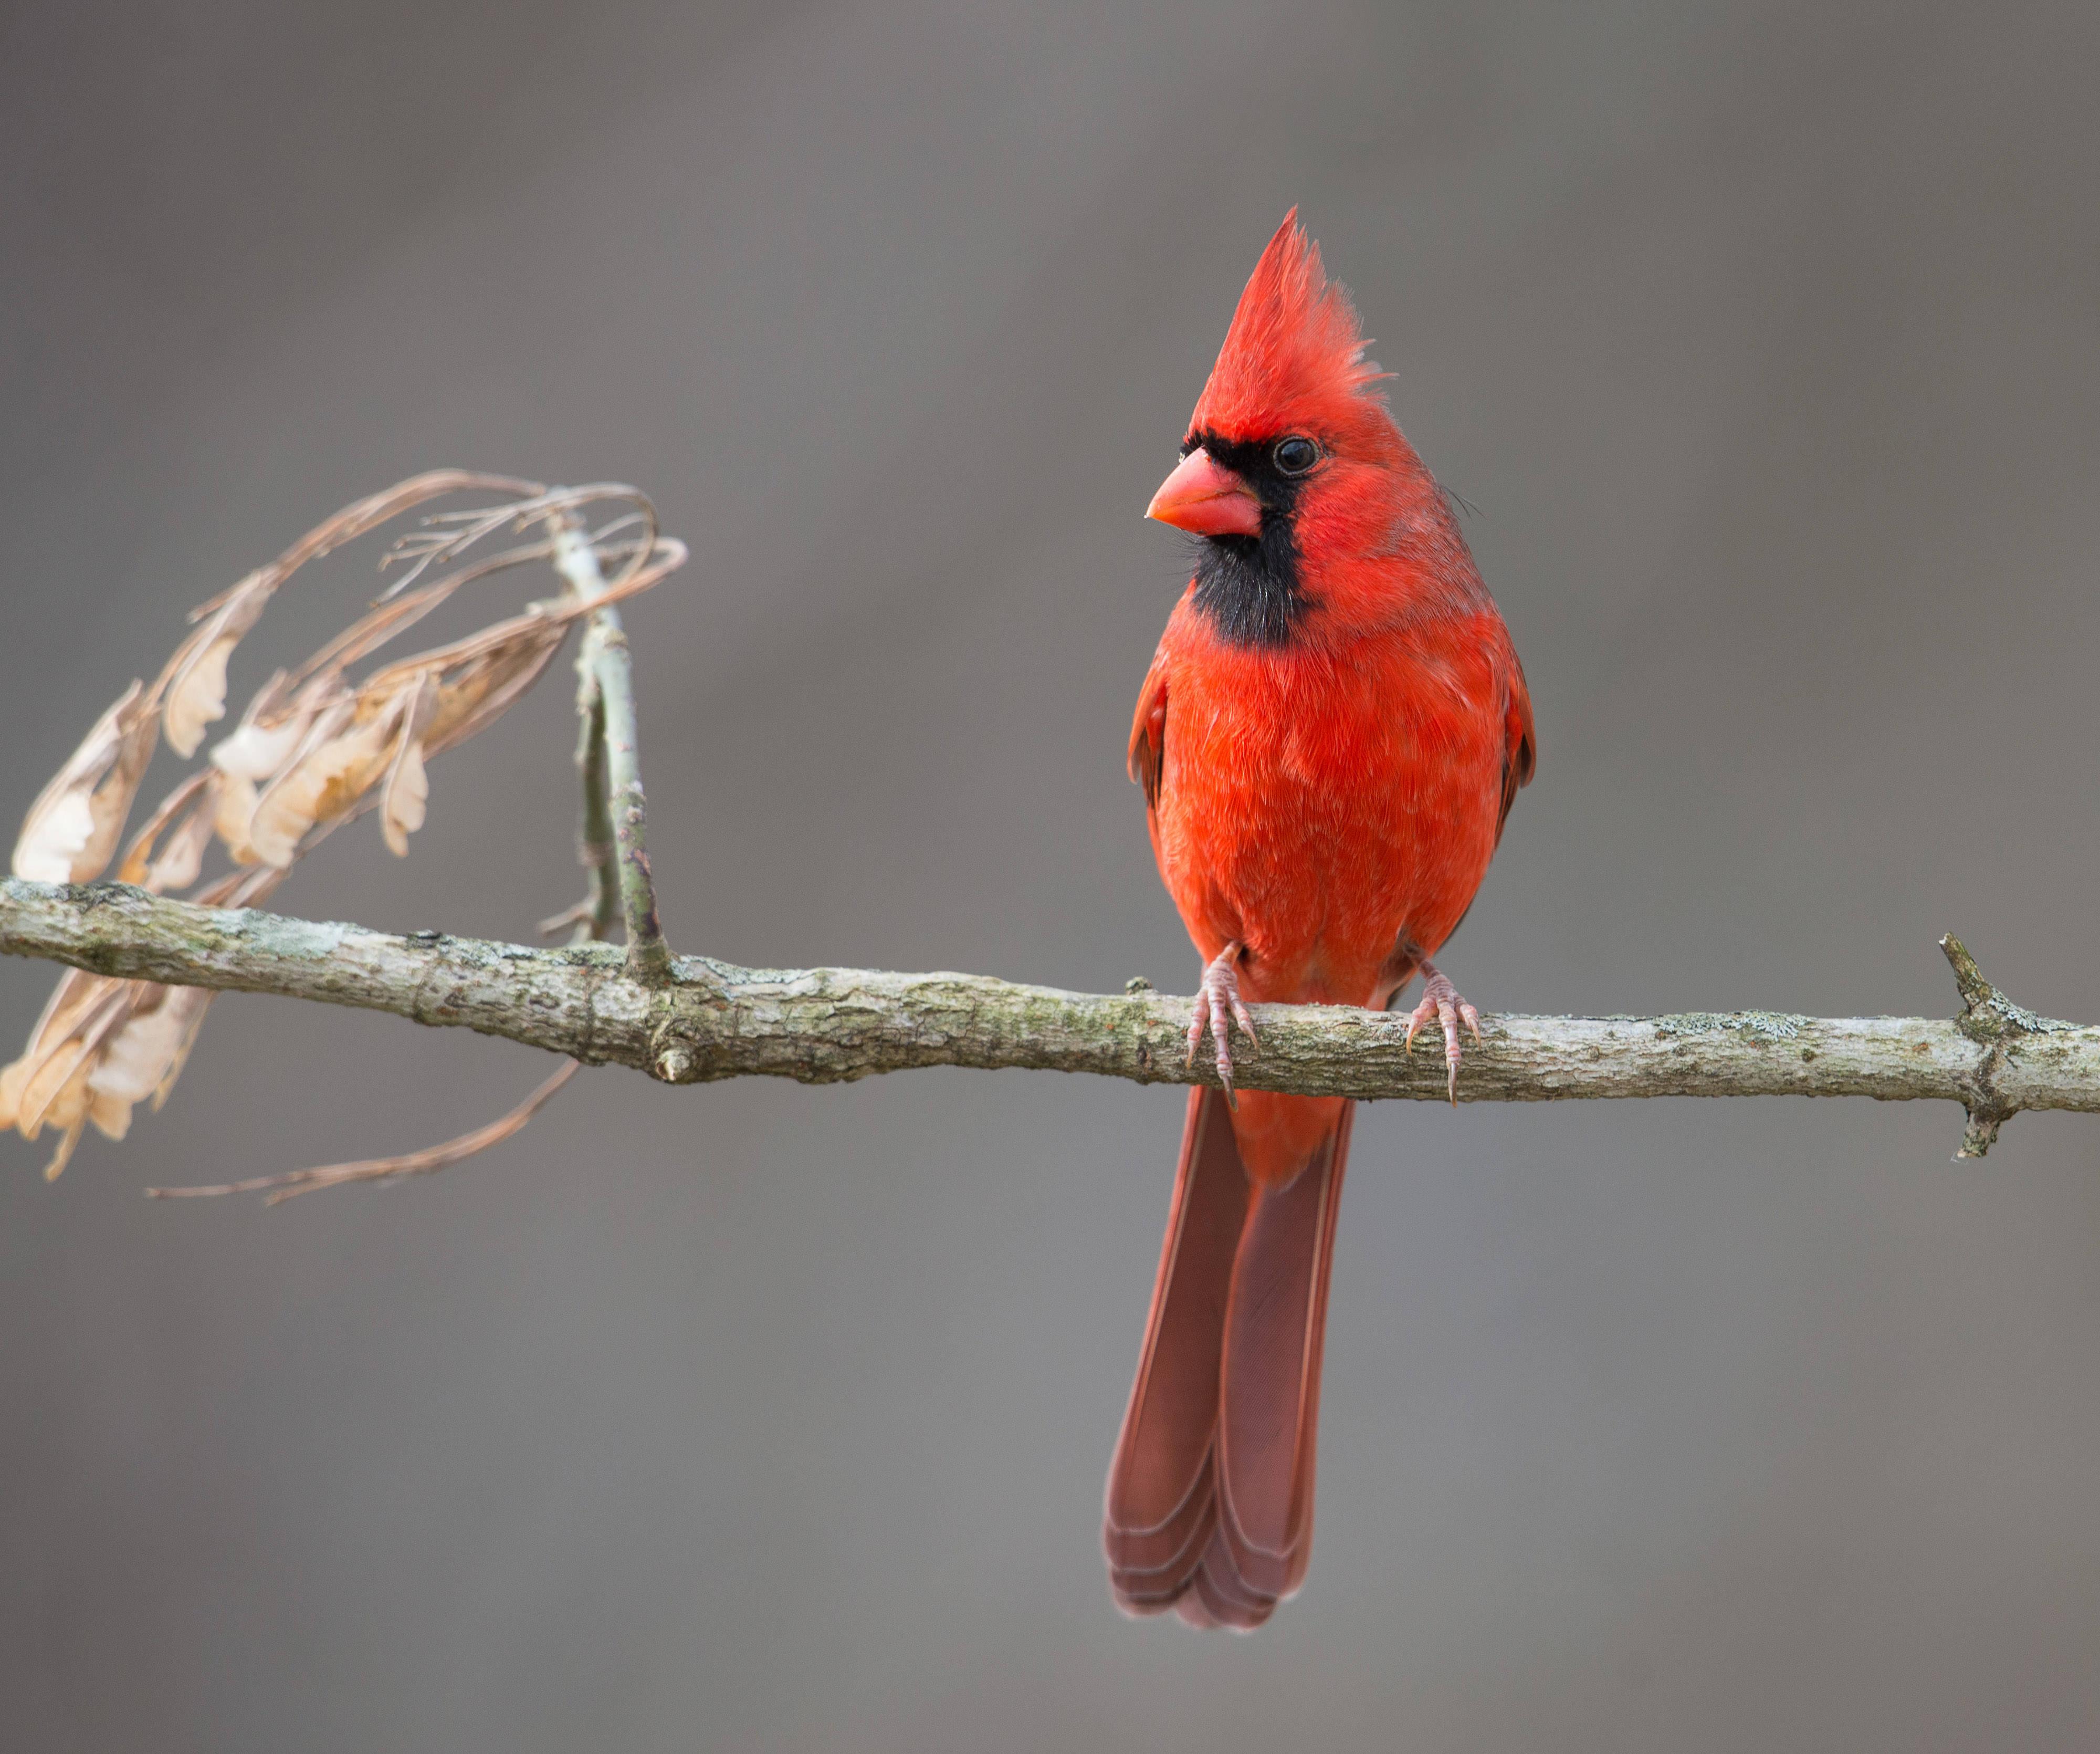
x=751, y=1416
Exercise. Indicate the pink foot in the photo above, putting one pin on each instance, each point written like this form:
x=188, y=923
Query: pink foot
x=1217, y=1007
x=1440, y=1003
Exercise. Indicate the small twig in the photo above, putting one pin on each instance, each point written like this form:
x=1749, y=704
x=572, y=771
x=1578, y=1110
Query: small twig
x=448, y=533
x=1976, y=992
x=608, y=755
x=281, y=1188
x=596, y=848
x=2000, y=1027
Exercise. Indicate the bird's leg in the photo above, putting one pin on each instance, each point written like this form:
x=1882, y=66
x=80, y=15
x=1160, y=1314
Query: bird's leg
x=1441, y=1003
x=1217, y=1007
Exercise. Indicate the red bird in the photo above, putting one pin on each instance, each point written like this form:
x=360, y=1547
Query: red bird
x=1330, y=739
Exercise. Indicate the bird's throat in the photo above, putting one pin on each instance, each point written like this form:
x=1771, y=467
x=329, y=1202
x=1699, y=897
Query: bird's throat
x=1247, y=586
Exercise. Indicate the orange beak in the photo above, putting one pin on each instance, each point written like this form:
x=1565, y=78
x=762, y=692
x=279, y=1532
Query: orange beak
x=1205, y=500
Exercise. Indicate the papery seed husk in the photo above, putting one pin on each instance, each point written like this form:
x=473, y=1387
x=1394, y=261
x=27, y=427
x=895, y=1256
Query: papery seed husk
x=181, y=858
x=198, y=697
x=406, y=798
x=272, y=729
x=46, y=855
x=256, y=751
x=190, y=1003
x=76, y=993
x=322, y=786
x=110, y=1115
x=13, y=1076
x=320, y=730
x=191, y=806
x=235, y=810
x=66, y=1048
x=138, y=1060
x=63, y=1154
x=67, y=1113
x=192, y=686
x=72, y=829
x=46, y=1082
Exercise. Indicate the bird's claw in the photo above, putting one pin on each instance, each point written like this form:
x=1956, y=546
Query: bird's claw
x=1217, y=1007
x=1441, y=1003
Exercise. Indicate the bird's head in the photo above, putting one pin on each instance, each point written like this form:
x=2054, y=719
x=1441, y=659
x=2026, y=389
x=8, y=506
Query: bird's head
x=1292, y=466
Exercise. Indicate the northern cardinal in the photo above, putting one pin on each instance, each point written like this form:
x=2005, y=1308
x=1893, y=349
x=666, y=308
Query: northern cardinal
x=1330, y=739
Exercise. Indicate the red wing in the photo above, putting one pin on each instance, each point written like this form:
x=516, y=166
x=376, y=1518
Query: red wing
x=1148, y=734
x=1520, y=743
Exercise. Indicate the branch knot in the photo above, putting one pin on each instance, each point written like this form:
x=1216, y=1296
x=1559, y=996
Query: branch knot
x=1998, y=1026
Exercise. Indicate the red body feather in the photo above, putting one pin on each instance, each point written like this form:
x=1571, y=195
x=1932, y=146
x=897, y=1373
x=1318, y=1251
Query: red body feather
x=1329, y=799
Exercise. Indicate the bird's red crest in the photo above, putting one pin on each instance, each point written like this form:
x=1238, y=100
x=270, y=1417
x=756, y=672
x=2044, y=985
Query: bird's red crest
x=1294, y=355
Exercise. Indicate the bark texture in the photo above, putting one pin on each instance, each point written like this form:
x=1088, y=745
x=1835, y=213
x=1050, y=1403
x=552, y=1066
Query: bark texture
x=712, y=1020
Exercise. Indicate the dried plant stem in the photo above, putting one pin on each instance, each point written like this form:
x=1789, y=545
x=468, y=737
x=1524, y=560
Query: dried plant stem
x=602, y=905
x=711, y=1020
x=428, y=1161
x=314, y=751
x=611, y=762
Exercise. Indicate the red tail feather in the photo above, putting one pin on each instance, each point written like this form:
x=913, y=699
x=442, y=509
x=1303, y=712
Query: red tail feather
x=1210, y=1496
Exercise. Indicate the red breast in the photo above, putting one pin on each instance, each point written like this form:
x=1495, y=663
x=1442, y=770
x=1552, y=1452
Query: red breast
x=1335, y=718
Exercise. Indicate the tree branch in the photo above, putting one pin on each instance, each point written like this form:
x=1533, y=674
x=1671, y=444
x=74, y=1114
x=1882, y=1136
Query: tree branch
x=712, y=1020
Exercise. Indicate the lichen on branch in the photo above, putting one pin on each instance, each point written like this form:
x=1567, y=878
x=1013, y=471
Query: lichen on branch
x=713, y=1020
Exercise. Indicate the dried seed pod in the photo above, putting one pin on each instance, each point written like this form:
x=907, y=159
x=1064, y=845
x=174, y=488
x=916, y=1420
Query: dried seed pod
x=406, y=794
x=336, y=765
x=141, y=1059
x=311, y=752
x=48, y=1085
x=160, y=858
x=194, y=683
x=72, y=828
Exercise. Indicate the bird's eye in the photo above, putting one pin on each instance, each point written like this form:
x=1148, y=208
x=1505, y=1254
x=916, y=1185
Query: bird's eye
x=1294, y=455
